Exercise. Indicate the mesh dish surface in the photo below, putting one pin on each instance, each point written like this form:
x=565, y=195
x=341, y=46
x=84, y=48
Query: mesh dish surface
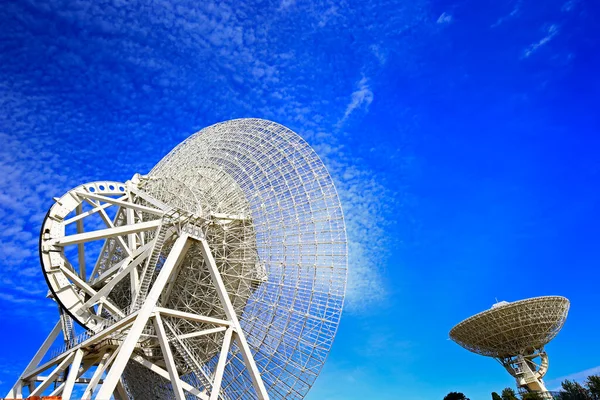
x=514, y=328
x=295, y=235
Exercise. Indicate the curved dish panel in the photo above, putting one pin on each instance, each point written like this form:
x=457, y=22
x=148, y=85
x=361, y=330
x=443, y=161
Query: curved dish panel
x=290, y=320
x=514, y=328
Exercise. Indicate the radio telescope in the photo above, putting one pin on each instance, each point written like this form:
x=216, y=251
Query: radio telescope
x=218, y=275
x=515, y=334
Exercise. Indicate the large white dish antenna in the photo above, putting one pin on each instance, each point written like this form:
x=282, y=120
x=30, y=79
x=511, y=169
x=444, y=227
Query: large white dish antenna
x=225, y=266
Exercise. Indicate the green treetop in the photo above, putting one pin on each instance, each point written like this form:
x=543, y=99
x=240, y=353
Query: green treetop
x=455, y=396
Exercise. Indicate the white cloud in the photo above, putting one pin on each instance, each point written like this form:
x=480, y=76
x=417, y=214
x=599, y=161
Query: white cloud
x=363, y=197
x=515, y=12
x=17, y=299
x=569, y=5
x=361, y=98
x=580, y=376
x=551, y=32
x=327, y=16
x=379, y=54
x=88, y=106
x=286, y=3
x=445, y=18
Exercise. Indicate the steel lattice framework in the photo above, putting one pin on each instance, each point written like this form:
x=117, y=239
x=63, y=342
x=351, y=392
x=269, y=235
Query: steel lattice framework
x=513, y=328
x=515, y=334
x=221, y=274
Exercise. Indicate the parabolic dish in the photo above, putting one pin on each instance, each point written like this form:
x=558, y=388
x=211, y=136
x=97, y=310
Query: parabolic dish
x=513, y=328
x=291, y=318
x=269, y=212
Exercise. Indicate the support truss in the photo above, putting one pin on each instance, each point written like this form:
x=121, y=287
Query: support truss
x=98, y=362
x=528, y=370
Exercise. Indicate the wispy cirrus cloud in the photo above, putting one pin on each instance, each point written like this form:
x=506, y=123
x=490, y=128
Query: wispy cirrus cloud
x=570, y=5
x=361, y=98
x=554, y=384
x=444, y=18
x=551, y=33
x=105, y=90
x=513, y=14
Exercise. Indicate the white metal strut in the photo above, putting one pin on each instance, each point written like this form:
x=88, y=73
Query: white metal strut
x=110, y=361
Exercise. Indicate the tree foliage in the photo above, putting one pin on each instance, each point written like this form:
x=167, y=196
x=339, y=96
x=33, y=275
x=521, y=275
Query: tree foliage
x=532, y=396
x=593, y=386
x=572, y=390
x=455, y=396
x=509, y=394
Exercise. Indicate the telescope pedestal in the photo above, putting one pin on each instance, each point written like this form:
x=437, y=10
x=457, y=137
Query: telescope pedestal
x=528, y=371
x=109, y=351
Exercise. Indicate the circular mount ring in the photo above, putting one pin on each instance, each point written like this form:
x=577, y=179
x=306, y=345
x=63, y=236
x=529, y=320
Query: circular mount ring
x=111, y=222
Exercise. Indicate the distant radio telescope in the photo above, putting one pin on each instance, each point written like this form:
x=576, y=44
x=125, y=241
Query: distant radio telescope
x=220, y=275
x=515, y=334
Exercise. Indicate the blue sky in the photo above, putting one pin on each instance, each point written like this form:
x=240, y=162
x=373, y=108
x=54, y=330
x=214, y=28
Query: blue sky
x=463, y=138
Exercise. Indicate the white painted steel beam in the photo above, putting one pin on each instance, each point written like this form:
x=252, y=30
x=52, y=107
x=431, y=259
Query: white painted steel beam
x=192, y=317
x=216, y=387
x=105, y=248
x=65, y=389
x=121, y=203
x=134, y=278
x=201, y=333
x=53, y=375
x=186, y=350
x=145, y=196
x=160, y=371
x=107, y=288
x=106, y=233
x=128, y=248
x=126, y=348
x=142, y=252
x=105, y=360
x=257, y=381
x=168, y=357
x=80, y=247
x=29, y=375
x=70, y=382
x=88, y=213
x=120, y=393
x=16, y=391
x=121, y=324
x=89, y=290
